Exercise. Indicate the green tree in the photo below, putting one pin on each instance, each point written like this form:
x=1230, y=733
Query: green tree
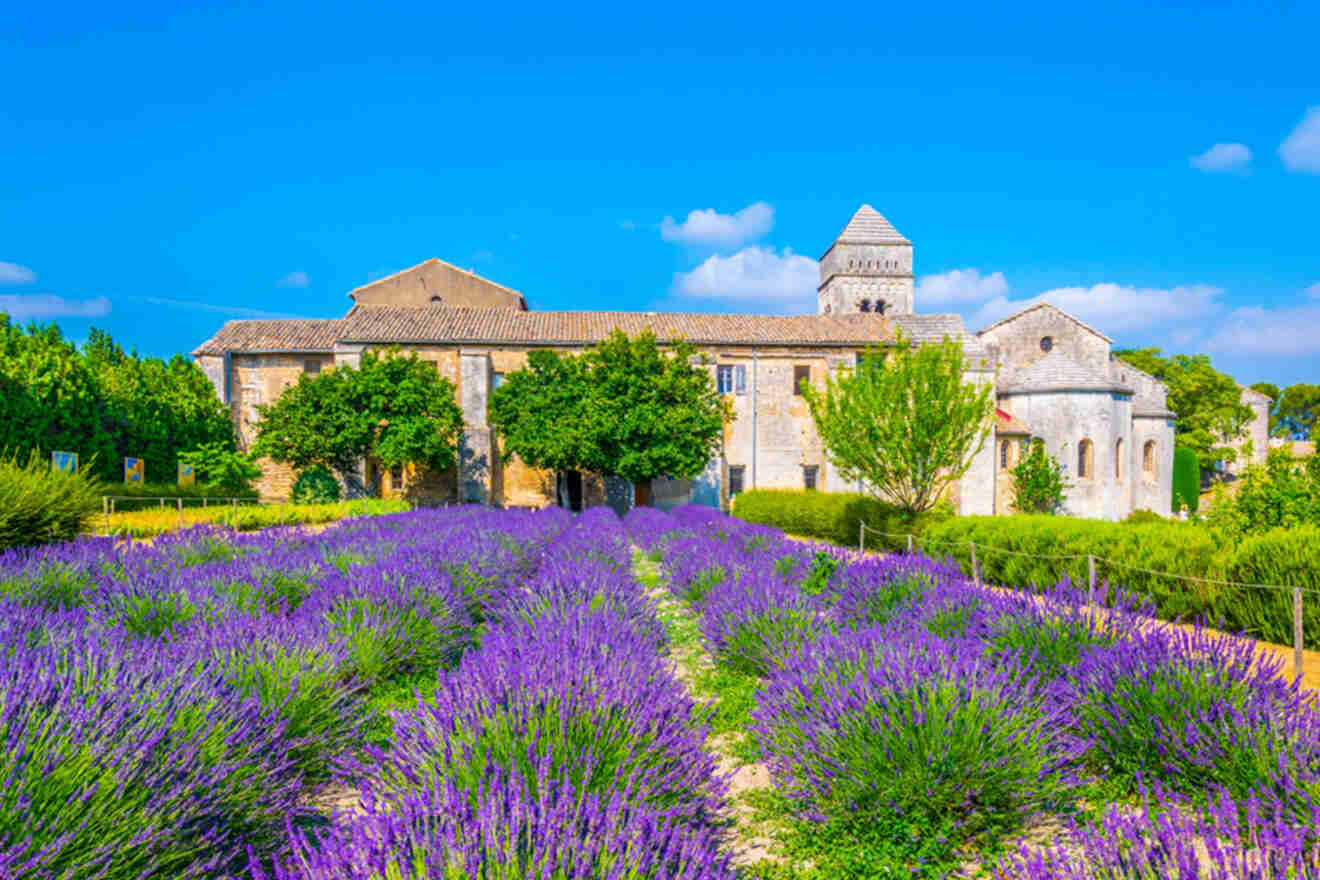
x=655, y=412
x=1208, y=403
x=542, y=413
x=1284, y=492
x=217, y=466
x=1186, y=480
x=1270, y=390
x=907, y=425
x=627, y=407
x=1296, y=410
x=393, y=408
x=1038, y=481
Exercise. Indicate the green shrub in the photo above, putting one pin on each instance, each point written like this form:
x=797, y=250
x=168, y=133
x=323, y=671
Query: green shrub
x=834, y=516
x=316, y=485
x=40, y=504
x=1128, y=552
x=1186, y=479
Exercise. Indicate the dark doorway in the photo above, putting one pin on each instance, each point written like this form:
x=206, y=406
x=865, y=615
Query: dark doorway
x=573, y=489
x=641, y=494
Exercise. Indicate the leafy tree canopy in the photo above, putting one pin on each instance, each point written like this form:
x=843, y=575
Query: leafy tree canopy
x=1270, y=390
x=906, y=425
x=103, y=403
x=393, y=408
x=1295, y=411
x=627, y=407
x=1038, y=481
x=1208, y=403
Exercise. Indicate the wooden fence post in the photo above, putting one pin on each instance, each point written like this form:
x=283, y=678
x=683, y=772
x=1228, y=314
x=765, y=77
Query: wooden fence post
x=105, y=511
x=180, y=500
x=1297, y=632
x=861, y=537
x=909, y=545
x=1090, y=590
x=976, y=571
x=162, y=503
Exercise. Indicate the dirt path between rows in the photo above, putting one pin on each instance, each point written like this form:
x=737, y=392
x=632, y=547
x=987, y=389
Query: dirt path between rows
x=691, y=661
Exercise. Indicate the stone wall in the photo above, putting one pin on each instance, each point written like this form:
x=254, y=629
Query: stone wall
x=1152, y=489
x=1017, y=343
x=1255, y=446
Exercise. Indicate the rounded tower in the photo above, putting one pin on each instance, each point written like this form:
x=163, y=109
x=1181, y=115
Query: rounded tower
x=867, y=269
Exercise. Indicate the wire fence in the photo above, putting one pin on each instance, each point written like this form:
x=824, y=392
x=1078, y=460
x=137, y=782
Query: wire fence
x=916, y=542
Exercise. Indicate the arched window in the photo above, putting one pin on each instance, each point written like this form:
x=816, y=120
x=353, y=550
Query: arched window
x=1085, y=461
x=1118, y=460
x=1003, y=454
x=436, y=299
x=880, y=306
x=865, y=305
x=1148, y=459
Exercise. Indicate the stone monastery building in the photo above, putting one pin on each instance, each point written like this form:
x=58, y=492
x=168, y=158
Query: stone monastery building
x=1056, y=379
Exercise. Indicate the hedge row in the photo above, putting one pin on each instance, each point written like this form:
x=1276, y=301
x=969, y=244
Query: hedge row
x=1286, y=557
x=832, y=516
x=1127, y=553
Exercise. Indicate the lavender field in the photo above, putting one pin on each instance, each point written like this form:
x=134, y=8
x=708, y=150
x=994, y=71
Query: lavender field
x=467, y=693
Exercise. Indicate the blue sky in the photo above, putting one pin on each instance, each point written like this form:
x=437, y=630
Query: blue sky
x=1156, y=171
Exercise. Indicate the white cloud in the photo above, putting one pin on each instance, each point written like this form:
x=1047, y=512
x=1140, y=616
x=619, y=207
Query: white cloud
x=237, y=311
x=294, y=279
x=1255, y=331
x=1222, y=157
x=42, y=306
x=754, y=274
x=12, y=273
x=711, y=228
x=959, y=287
x=1300, y=151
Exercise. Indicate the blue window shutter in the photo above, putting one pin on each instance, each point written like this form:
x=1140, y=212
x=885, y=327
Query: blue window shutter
x=740, y=371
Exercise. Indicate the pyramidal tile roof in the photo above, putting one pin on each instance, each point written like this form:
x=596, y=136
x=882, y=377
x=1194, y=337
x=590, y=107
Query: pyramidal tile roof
x=1058, y=372
x=868, y=227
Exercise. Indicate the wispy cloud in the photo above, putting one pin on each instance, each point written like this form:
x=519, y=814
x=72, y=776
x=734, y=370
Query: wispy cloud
x=294, y=279
x=1223, y=157
x=43, y=306
x=775, y=281
x=627, y=224
x=236, y=311
x=710, y=228
x=1258, y=332
x=14, y=274
x=1300, y=151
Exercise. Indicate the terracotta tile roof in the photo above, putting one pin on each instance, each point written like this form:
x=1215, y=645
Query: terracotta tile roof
x=1057, y=372
x=276, y=335
x=1007, y=424
x=418, y=325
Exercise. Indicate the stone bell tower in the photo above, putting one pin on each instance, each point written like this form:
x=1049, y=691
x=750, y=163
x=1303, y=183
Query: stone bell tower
x=867, y=269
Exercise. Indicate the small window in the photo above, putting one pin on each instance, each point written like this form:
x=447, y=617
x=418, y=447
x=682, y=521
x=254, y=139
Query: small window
x=724, y=378
x=396, y=478
x=736, y=472
x=496, y=380
x=1004, y=454
x=809, y=473
x=880, y=306
x=1148, y=459
x=311, y=368
x=437, y=299
x=1118, y=460
x=1046, y=343
x=828, y=308
x=740, y=378
x=1085, y=464
x=801, y=376
x=864, y=306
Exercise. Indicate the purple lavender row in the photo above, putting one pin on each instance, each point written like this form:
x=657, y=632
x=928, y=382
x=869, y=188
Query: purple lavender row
x=562, y=747
x=164, y=708
x=898, y=694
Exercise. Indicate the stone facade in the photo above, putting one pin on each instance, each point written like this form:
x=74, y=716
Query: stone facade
x=1255, y=447
x=1055, y=378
